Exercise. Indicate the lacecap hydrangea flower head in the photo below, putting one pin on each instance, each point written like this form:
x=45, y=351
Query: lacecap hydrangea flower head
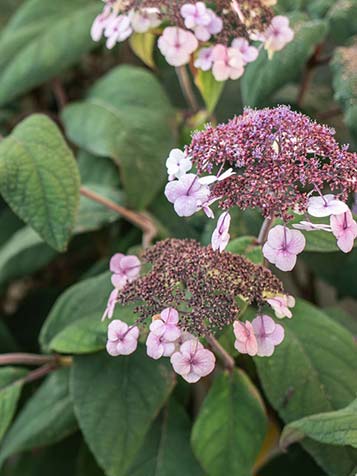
x=190, y=293
x=279, y=162
x=221, y=36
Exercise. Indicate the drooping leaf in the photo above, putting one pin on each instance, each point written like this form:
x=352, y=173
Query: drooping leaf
x=115, y=401
x=166, y=449
x=264, y=77
x=231, y=426
x=209, y=87
x=143, y=45
x=127, y=117
x=10, y=388
x=23, y=254
x=45, y=419
x=333, y=428
x=39, y=179
x=314, y=370
x=42, y=40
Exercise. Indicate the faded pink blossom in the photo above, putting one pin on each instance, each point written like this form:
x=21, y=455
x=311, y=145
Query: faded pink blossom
x=227, y=63
x=344, y=228
x=117, y=30
x=204, y=59
x=195, y=14
x=165, y=325
x=215, y=25
x=159, y=346
x=278, y=34
x=125, y=268
x=325, y=205
x=309, y=226
x=177, y=164
x=112, y=302
x=177, y=45
x=144, y=19
x=122, y=339
x=281, y=305
x=187, y=194
x=221, y=236
x=246, y=342
x=268, y=335
x=249, y=53
x=193, y=361
x=283, y=246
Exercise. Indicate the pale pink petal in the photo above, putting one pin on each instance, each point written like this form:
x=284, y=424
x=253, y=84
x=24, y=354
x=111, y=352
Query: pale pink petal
x=170, y=316
x=284, y=260
x=191, y=377
x=114, y=264
x=296, y=241
x=346, y=241
x=157, y=327
x=180, y=363
x=117, y=328
x=278, y=335
x=112, y=348
x=203, y=362
x=265, y=347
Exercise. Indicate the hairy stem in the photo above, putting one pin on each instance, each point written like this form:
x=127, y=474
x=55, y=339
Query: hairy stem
x=138, y=219
x=26, y=359
x=186, y=87
x=216, y=346
x=263, y=234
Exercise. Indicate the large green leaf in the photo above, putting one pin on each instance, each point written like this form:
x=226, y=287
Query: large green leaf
x=342, y=17
x=116, y=401
x=345, y=84
x=41, y=40
x=127, y=117
x=45, y=419
x=334, y=428
x=39, y=179
x=23, y=254
x=10, y=388
x=344, y=318
x=230, y=429
x=264, y=77
x=314, y=370
x=166, y=450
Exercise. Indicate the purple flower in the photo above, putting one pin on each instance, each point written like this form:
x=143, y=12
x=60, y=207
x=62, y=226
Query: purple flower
x=282, y=247
x=165, y=325
x=221, y=236
x=249, y=53
x=344, y=228
x=246, y=342
x=125, y=268
x=195, y=15
x=122, y=339
x=187, y=195
x=281, y=305
x=177, y=164
x=159, y=346
x=204, y=59
x=278, y=34
x=268, y=335
x=193, y=361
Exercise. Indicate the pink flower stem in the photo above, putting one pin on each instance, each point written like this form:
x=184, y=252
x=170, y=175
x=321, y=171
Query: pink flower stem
x=186, y=88
x=263, y=234
x=216, y=346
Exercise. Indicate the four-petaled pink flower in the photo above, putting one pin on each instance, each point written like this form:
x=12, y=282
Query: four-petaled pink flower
x=249, y=53
x=281, y=305
x=187, y=194
x=195, y=14
x=177, y=45
x=117, y=30
x=112, y=302
x=165, y=325
x=215, y=25
x=204, y=59
x=283, y=246
x=227, y=63
x=159, y=346
x=221, y=236
x=122, y=339
x=177, y=164
x=278, y=34
x=325, y=205
x=268, y=335
x=246, y=342
x=125, y=268
x=344, y=228
x=193, y=361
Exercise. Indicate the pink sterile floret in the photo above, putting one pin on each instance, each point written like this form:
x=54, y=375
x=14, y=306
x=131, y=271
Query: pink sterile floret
x=122, y=339
x=246, y=342
x=193, y=361
x=344, y=228
x=283, y=246
x=268, y=335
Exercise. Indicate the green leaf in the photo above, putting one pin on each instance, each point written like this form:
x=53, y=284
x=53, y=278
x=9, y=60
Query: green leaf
x=39, y=179
x=332, y=428
x=115, y=401
x=127, y=117
x=42, y=40
x=99, y=170
x=342, y=18
x=343, y=318
x=231, y=426
x=86, y=464
x=210, y=88
x=45, y=419
x=293, y=462
x=23, y=254
x=79, y=308
x=168, y=438
x=247, y=246
x=10, y=389
x=264, y=77
x=345, y=84
x=143, y=45
x=314, y=370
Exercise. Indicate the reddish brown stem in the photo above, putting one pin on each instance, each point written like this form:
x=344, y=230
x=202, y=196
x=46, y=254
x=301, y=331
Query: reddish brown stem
x=26, y=359
x=216, y=346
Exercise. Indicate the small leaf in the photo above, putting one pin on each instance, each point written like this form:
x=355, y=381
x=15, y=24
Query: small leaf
x=10, y=388
x=332, y=428
x=209, y=87
x=116, y=401
x=247, y=246
x=142, y=45
x=39, y=179
x=231, y=426
x=45, y=419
